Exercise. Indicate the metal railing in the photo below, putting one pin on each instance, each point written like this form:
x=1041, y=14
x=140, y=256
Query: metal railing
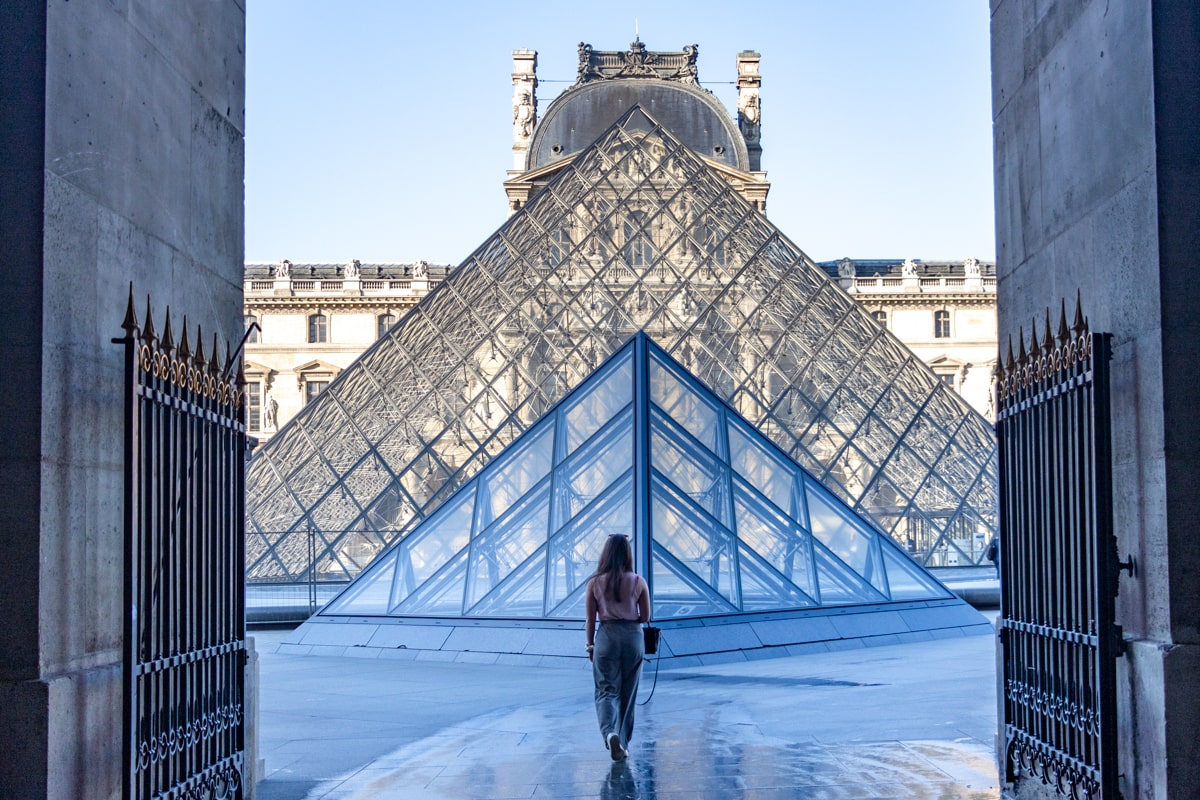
x=1058, y=564
x=185, y=653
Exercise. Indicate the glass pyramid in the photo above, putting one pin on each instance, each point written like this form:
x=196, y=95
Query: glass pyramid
x=636, y=234
x=720, y=519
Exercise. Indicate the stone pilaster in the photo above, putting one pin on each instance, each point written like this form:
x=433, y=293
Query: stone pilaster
x=749, y=107
x=524, y=80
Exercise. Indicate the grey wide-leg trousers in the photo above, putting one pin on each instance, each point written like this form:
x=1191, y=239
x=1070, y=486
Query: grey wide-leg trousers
x=617, y=667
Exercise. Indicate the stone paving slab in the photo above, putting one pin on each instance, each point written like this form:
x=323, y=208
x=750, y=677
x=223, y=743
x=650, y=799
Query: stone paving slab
x=911, y=721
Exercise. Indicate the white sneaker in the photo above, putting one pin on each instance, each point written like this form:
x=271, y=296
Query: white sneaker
x=614, y=747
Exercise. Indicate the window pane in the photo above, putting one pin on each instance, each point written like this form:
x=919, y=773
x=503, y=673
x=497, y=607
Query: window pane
x=252, y=328
x=588, y=414
x=313, y=388
x=254, y=406
x=318, y=328
x=386, y=321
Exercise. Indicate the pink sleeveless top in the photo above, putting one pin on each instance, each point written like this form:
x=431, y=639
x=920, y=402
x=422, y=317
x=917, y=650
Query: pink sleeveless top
x=624, y=609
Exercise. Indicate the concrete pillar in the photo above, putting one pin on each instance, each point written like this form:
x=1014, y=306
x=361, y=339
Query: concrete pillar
x=1097, y=165
x=120, y=160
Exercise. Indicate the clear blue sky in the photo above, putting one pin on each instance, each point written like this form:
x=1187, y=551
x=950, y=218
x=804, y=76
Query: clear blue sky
x=381, y=129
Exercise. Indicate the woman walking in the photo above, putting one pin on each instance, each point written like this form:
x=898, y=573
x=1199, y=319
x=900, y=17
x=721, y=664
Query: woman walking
x=620, y=598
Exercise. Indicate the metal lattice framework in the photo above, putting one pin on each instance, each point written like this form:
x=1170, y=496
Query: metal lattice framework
x=721, y=521
x=636, y=234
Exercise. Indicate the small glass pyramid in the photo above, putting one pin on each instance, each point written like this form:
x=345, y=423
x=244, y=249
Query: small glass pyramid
x=721, y=521
x=636, y=234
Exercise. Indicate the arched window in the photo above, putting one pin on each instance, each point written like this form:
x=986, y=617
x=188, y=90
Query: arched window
x=385, y=323
x=880, y=317
x=250, y=321
x=318, y=328
x=941, y=324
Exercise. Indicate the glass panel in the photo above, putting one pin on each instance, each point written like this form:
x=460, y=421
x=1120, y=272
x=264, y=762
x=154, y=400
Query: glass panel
x=522, y=594
x=837, y=532
x=906, y=580
x=429, y=547
x=442, y=596
x=678, y=592
x=764, y=470
x=523, y=466
x=575, y=551
x=585, y=416
x=499, y=550
x=838, y=584
x=695, y=541
x=763, y=589
x=369, y=594
x=776, y=540
x=593, y=469
x=698, y=416
x=693, y=472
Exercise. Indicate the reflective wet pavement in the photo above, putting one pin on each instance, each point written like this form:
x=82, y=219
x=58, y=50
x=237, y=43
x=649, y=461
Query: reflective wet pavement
x=903, y=721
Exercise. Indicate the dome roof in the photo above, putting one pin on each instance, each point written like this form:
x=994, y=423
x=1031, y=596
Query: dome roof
x=665, y=85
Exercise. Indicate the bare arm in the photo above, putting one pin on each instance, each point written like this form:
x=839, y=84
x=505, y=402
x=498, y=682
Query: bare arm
x=591, y=619
x=643, y=600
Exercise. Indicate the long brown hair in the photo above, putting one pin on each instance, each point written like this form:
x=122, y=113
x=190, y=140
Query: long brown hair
x=615, y=560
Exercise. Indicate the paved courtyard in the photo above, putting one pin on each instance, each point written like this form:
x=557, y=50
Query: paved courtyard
x=914, y=720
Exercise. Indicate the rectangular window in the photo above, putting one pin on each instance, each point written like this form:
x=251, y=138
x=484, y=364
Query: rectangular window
x=318, y=329
x=313, y=388
x=949, y=379
x=386, y=321
x=252, y=327
x=880, y=317
x=941, y=324
x=254, y=406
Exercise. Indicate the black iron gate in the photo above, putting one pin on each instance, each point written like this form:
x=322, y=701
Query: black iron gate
x=185, y=653
x=1058, y=565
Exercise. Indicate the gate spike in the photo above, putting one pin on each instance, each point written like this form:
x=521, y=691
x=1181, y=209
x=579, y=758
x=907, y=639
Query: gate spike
x=198, y=357
x=1048, y=338
x=1011, y=362
x=130, y=324
x=1064, y=334
x=1033, y=340
x=214, y=367
x=1021, y=349
x=185, y=352
x=1079, y=325
x=148, y=331
x=168, y=339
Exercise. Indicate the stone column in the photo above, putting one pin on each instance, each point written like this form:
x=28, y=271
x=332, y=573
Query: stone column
x=524, y=80
x=749, y=107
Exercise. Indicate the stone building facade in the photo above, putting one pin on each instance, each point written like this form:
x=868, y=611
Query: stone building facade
x=306, y=322
x=944, y=311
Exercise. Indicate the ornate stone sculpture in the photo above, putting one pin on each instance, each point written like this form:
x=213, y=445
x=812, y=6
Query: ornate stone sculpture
x=637, y=62
x=909, y=269
x=523, y=114
x=748, y=115
x=353, y=269
x=971, y=267
x=846, y=268
x=421, y=269
x=283, y=269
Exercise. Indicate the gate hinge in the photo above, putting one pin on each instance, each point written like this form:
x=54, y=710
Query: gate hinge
x=1120, y=646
